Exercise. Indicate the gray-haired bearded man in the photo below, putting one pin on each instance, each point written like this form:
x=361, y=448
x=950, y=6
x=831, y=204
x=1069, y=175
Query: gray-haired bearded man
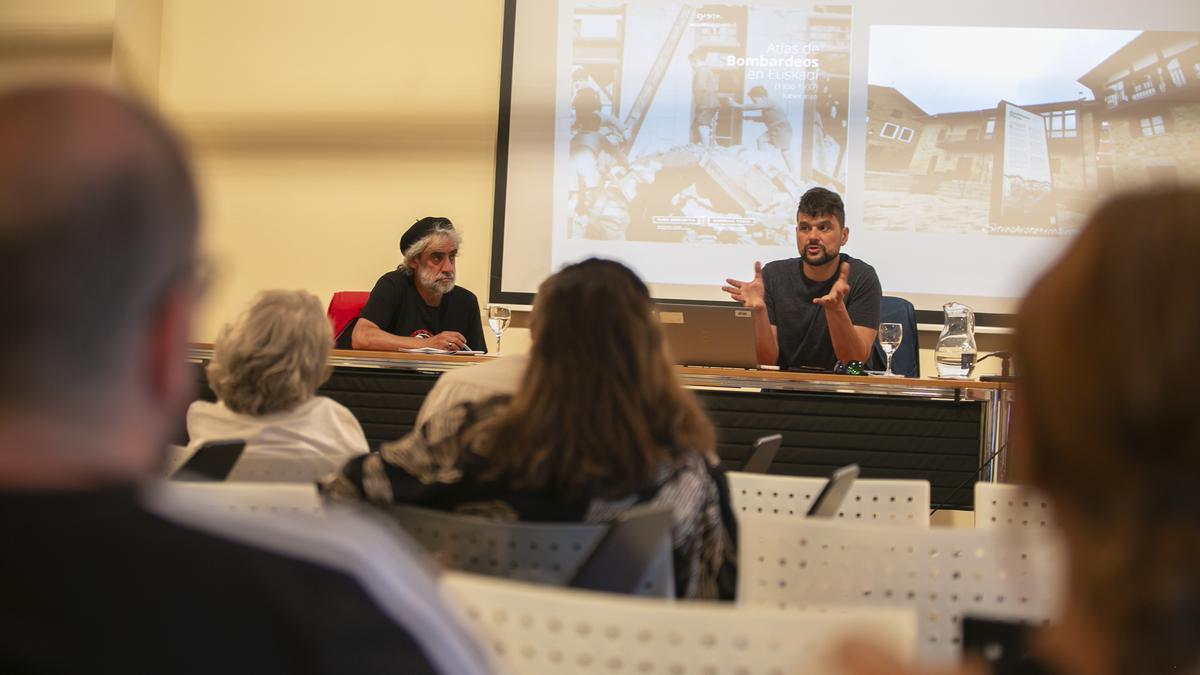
x=418, y=305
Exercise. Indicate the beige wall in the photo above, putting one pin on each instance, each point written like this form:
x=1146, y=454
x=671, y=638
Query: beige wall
x=56, y=40
x=320, y=133
x=320, y=130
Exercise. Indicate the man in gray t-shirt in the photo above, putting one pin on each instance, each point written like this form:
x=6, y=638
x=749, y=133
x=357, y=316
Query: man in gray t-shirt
x=820, y=308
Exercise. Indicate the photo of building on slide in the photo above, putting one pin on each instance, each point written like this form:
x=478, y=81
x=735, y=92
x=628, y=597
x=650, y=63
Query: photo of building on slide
x=1020, y=131
x=699, y=123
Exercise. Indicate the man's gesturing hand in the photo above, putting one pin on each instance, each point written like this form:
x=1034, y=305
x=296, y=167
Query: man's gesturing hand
x=749, y=293
x=837, y=294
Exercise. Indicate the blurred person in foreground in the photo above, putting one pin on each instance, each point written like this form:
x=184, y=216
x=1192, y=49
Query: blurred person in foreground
x=598, y=425
x=98, y=224
x=265, y=371
x=1107, y=429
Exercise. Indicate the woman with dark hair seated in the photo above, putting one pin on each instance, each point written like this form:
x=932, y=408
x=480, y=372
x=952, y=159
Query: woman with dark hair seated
x=599, y=424
x=1108, y=342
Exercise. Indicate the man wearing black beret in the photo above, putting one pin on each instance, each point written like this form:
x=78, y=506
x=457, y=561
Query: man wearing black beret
x=417, y=305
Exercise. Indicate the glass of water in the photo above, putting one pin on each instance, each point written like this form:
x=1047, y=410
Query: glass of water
x=498, y=318
x=890, y=336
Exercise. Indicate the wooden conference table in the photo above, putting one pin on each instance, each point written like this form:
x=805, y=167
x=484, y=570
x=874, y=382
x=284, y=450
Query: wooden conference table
x=939, y=430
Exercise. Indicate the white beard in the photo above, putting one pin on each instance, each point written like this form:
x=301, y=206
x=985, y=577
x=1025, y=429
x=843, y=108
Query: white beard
x=439, y=284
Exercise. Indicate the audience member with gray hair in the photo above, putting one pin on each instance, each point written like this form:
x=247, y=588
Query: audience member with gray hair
x=418, y=305
x=265, y=371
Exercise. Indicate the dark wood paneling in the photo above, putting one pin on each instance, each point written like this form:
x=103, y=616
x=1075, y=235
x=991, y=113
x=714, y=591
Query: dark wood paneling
x=889, y=437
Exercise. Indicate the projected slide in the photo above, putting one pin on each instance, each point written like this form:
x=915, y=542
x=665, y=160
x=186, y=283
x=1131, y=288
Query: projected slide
x=1026, y=128
x=969, y=140
x=697, y=123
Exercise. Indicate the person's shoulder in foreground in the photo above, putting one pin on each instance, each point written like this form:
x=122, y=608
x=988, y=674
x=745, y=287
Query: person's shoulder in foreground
x=98, y=229
x=114, y=587
x=473, y=383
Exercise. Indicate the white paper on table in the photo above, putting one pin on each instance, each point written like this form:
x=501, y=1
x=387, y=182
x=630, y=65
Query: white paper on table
x=434, y=350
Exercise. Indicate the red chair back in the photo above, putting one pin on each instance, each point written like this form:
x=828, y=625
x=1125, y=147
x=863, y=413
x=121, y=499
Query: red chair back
x=344, y=307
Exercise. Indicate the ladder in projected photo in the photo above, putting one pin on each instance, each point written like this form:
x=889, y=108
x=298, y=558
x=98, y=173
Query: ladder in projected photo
x=637, y=112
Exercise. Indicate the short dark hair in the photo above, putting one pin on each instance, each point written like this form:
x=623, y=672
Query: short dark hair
x=821, y=202
x=98, y=221
x=757, y=91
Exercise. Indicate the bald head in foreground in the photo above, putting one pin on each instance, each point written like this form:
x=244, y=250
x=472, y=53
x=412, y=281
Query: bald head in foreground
x=98, y=224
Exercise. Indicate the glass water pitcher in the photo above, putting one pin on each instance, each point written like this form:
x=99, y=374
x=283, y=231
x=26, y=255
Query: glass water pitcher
x=955, y=352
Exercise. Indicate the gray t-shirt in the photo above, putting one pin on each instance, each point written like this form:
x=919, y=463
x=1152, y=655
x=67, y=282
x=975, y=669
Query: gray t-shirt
x=803, y=332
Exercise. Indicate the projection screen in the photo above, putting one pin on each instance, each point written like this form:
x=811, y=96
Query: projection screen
x=968, y=139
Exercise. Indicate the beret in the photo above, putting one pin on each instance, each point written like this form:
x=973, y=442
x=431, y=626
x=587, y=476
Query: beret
x=421, y=229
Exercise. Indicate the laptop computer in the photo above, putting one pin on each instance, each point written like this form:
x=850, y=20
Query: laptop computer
x=709, y=335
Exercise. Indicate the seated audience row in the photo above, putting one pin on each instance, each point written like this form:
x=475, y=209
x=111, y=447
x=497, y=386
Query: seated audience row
x=637, y=436
x=599, y=424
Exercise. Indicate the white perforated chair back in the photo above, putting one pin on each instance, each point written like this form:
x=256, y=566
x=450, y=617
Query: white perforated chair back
x=540, y=630
x=942, y=573
x=903, y=503
x=547, y=553
x=1002, y=505
x=248, y=499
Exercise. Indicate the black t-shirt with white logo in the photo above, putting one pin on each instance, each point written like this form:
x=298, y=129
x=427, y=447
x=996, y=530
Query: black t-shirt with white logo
x=397, y=307
x=801, y=326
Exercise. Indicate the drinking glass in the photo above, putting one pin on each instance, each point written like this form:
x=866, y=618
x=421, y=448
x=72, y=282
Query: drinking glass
x=498, y=318
x=890, y=336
